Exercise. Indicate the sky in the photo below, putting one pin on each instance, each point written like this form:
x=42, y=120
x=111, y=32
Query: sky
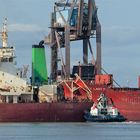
x=28, y=22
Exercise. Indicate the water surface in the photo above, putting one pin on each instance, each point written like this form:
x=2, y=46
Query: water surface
x=70, y=131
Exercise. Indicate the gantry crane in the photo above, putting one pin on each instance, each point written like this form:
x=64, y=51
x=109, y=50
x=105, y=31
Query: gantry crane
x=73, y=20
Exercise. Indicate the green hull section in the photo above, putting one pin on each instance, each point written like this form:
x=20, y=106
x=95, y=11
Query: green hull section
x=39, y=69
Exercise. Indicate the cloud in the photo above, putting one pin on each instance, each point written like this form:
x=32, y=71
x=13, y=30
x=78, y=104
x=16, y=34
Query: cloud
x=26, y=28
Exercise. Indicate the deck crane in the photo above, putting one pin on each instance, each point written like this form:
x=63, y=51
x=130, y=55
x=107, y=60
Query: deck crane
x=74, y=20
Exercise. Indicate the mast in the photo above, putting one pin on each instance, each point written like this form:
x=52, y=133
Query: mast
x=6, y=52
x=4, y=34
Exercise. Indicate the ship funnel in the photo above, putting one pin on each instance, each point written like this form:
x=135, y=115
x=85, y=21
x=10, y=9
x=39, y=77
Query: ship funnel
x=39, y=69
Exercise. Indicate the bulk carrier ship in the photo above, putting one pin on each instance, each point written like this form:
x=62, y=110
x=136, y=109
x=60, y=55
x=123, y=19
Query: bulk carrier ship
x=64, y=95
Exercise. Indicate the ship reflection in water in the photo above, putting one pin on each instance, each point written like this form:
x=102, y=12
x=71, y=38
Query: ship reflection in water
x=70, y=131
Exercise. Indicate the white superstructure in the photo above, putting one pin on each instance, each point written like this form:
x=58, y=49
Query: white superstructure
x=12, y=83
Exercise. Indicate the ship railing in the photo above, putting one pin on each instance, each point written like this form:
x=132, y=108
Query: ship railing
x=126, y=89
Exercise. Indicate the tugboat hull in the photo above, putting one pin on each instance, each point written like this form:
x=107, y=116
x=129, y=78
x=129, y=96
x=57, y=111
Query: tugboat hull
x=104, y=118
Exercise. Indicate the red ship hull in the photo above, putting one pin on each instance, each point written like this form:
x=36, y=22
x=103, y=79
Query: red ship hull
x=127, y=100
x=43, y=112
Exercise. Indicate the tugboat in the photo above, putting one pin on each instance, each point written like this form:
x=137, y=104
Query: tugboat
x=103, y=111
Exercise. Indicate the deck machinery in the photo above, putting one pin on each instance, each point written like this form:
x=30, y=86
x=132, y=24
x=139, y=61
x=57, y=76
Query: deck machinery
x=73, y=20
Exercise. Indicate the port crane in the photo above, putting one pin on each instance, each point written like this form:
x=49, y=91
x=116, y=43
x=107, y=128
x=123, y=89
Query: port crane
x=73, y=20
